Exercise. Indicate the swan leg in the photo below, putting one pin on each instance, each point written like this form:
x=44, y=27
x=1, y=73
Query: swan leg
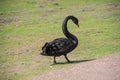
x=54, y=59
x=67, y=58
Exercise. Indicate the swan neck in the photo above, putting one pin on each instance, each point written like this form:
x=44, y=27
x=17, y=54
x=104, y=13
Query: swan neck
x=66, y=32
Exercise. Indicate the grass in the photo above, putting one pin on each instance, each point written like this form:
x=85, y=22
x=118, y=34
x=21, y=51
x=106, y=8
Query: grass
x=25, y=26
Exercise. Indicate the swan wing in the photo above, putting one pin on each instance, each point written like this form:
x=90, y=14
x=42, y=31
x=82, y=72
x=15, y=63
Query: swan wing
x=58, y=47
x=61, y=45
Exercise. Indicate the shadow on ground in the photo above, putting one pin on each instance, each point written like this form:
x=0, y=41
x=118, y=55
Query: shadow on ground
x=74, y=62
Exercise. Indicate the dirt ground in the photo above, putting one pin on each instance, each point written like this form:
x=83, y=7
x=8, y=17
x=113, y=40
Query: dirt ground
x=107, y=68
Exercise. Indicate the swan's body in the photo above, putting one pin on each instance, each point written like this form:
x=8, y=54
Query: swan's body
x=62, y=46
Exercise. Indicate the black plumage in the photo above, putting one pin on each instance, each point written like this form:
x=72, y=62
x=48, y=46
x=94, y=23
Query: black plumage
x=62, y=46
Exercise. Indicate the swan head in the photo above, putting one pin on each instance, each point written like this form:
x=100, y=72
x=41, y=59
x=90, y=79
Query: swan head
x=75, y=21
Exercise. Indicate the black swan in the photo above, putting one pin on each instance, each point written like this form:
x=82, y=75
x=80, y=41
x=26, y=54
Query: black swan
x=62, y=46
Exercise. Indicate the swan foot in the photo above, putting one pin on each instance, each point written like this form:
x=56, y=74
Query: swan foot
x=54, y=60
x=69, y=61
x=67, y=58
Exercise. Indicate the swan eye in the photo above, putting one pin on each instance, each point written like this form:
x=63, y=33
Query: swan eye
x=75, y=21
